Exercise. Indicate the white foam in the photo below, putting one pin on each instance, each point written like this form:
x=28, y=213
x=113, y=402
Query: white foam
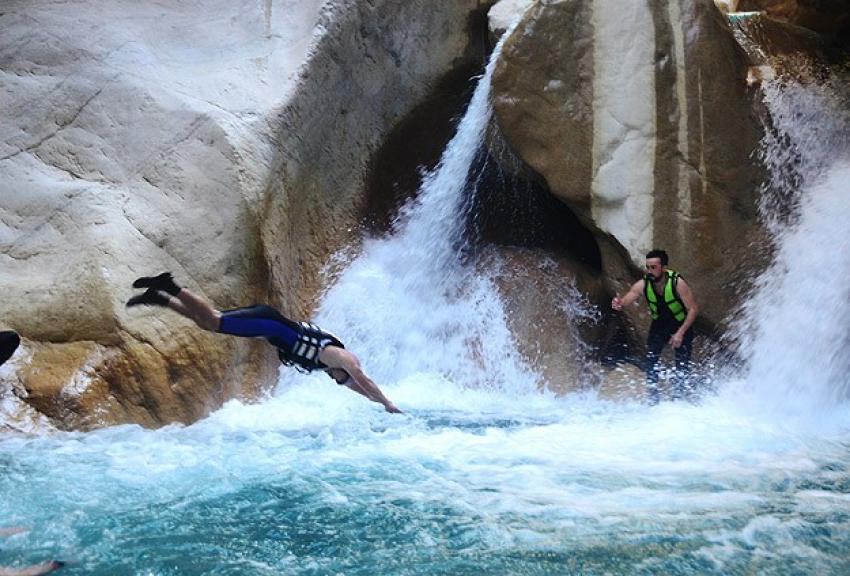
x=793, y=330
x=407, y=305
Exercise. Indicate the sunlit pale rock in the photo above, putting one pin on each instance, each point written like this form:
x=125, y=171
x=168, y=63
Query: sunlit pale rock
x=224, y=142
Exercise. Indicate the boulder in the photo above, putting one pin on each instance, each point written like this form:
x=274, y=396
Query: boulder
x=553, y=306
x=640, y=119
x=130, y=149
x=623, y=383
x=223, y=142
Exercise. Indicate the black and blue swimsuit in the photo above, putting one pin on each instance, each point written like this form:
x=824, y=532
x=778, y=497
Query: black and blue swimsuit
x=298, y=343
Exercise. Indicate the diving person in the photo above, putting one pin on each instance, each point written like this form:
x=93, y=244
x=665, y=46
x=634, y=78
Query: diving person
x=300, y=344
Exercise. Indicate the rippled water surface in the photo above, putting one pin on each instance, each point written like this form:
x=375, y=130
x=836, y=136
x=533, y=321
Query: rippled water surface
x=318, y=481
x=484, y=474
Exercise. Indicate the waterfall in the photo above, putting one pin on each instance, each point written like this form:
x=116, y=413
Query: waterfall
x=472, y=479
x=408, y=305
x=793, y=330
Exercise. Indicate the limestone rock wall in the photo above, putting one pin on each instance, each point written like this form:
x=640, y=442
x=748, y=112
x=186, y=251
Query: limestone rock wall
x=221, y=141
x=365, y=73
x=639, y=117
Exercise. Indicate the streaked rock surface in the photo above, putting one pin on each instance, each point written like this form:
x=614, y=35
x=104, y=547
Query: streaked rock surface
x=639, y=118
x=224, y=142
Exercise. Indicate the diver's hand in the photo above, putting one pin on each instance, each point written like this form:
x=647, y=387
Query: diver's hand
x=392, y=409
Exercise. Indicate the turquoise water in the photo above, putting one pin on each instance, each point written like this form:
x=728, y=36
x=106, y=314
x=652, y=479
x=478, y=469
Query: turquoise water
x=483, y=475
x=319, y=481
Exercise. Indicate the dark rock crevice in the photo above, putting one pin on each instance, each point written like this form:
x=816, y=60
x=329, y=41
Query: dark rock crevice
x=413, y=147
x=417, y=141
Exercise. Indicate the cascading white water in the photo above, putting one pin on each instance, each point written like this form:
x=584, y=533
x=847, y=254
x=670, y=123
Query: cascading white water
x=408, y=306
x=793, y=330
x=798, y=352
x=484, y=479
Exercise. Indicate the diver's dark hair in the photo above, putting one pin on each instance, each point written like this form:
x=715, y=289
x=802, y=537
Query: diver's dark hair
x=656, y=253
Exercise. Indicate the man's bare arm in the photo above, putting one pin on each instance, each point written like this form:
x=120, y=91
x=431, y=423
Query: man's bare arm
x=368, y=388
x=632, y=296
x=335, y=357
x=690, y=301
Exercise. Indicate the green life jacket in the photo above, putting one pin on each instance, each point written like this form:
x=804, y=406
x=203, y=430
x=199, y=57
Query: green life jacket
x=671, y=297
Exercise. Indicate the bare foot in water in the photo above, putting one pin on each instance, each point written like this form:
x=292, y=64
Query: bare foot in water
x=34, y=570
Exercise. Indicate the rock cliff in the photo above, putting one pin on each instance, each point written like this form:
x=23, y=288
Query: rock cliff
x=640, y=119
x=226, y=143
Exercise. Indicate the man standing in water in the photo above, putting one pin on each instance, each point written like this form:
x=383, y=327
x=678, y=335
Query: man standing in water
x=303, y=345
x=673, y=309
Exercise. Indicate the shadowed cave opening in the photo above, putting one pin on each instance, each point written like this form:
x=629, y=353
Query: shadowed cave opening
x=502, y=206
x=506, y=207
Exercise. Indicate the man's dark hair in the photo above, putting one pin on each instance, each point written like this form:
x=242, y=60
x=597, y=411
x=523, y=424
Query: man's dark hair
x=656, y=253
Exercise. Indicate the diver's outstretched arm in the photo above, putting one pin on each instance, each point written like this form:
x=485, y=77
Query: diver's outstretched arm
x=336, y=357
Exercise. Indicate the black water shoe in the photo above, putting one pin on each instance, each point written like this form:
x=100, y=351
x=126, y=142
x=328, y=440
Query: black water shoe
x=164, y=282
x=151, y=297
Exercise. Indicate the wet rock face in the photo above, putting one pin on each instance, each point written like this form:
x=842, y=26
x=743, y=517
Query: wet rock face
x=640, y=119
x=552, y=304
x=823, y=16
x=129, y=150
x=222, y=142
